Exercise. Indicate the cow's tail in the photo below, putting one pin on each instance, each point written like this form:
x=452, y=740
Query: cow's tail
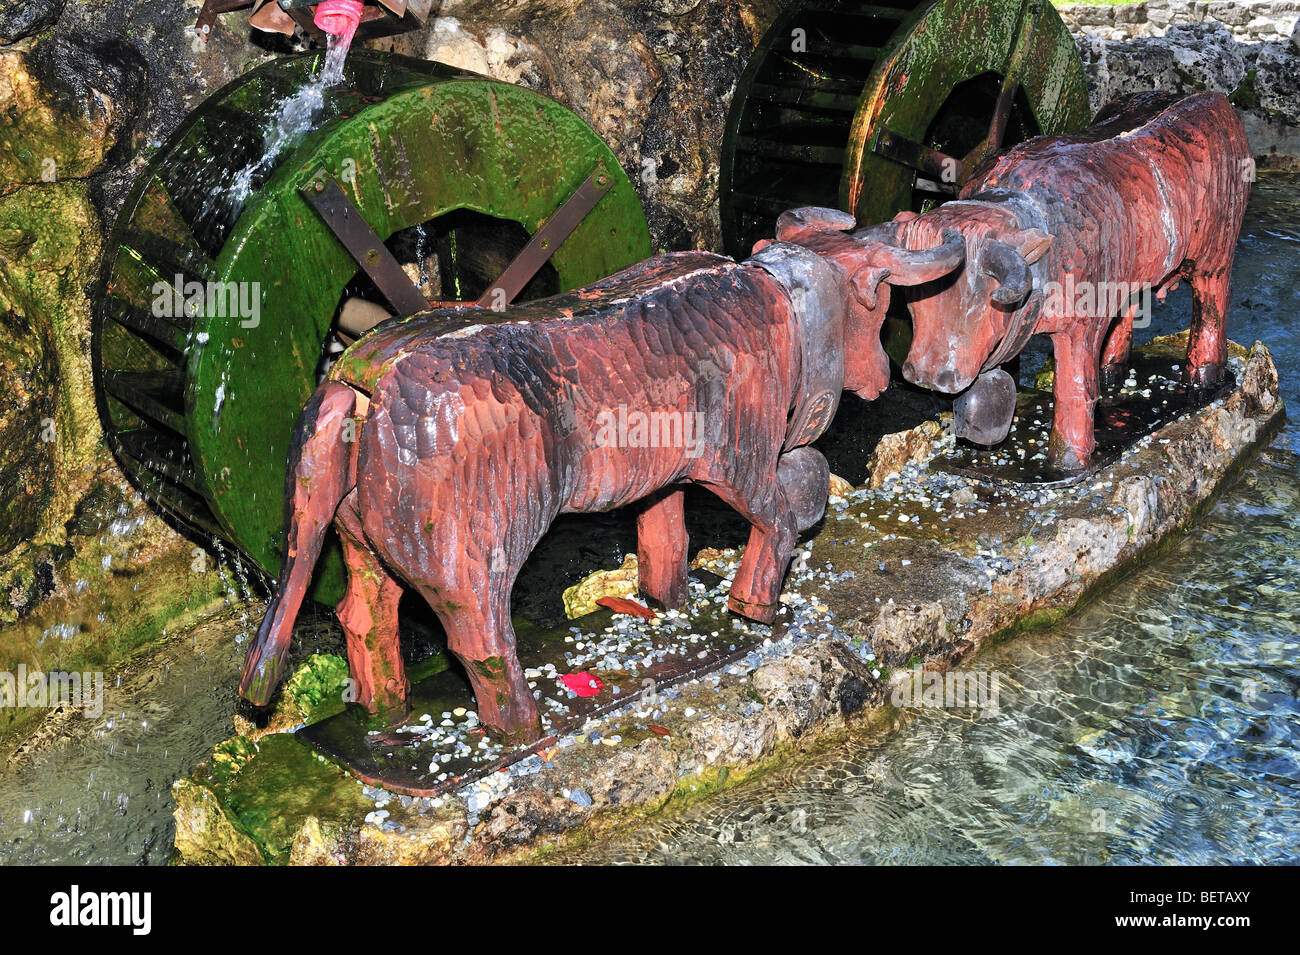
x=321, y=473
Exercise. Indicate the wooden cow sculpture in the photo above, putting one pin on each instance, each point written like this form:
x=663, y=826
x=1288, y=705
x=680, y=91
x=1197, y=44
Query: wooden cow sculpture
x=467, y=443
x=1068, y=236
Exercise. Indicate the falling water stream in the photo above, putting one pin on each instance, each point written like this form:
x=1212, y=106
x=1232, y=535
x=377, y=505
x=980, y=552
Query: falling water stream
x=297, y=114
x=1159, y=724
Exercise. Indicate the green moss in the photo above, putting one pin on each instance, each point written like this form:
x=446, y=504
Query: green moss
x=272, y=792
x=49, y=244
x=316, y=688
x=426, y=668
x=1245, y=96
x=48, y=133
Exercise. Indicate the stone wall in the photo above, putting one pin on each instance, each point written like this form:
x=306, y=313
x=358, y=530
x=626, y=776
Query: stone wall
x=1249, y=49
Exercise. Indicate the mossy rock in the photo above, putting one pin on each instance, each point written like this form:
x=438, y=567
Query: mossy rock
x=27, y=409
x=269, y=790
x=50, y=131
x=205, y=832
x=49, y=244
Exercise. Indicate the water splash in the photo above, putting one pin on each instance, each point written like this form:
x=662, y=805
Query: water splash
x=297, y=115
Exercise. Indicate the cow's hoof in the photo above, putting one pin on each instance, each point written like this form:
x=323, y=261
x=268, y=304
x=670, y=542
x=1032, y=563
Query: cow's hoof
x=759, y=613
x=1205, y=377
x=1062, y=456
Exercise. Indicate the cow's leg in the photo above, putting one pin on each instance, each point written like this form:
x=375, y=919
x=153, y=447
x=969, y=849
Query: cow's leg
x=368, y=613
x=661, y=545
x=1207, y=344
x=1114, y=358
x=482, y=638
x=756, y=589
x=1076, y=390
x=777, y=519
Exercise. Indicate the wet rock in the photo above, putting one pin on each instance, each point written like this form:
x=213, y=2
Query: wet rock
x=1259, y=382
x=27, y=409
x=432, y=842
x=671, y=8
x=896, y=451
x=903, y=631
x=820, y=685
x=529, y=814
x=49, y=236
x=205, y=834
x=580, y=599
x=48, y=242
x=20, y=18
x=840, y=487
x=97, y=83
x=1247, y=51
x=50, y=131
x=313, y=845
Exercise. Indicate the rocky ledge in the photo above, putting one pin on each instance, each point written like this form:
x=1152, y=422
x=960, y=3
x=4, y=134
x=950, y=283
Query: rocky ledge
x=919, y=567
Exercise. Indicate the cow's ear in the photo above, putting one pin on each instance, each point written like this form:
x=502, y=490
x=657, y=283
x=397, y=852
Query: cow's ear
x=1032, y=244
x=796, y=222
x=866, y=283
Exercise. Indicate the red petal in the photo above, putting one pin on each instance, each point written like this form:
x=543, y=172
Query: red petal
x=583, y=684
x=660, y=731
x=622, y=605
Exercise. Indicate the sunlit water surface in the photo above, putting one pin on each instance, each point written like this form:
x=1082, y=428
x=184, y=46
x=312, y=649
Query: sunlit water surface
x=1159, y=724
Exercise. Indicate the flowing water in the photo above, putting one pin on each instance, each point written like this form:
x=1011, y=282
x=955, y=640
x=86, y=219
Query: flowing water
x=1159, y=724
x=296, y=115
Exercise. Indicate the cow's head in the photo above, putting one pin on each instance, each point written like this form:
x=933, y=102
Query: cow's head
x=964, y=322
x=870, y=261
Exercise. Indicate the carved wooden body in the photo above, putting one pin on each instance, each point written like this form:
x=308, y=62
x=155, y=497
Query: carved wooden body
x=469, y=443
x=1152, y=193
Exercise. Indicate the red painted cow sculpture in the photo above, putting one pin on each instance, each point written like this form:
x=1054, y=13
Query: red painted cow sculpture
x=1065, y=235
x=468, y=443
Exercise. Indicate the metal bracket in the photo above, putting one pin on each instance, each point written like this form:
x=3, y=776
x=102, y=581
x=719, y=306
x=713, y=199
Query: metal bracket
x=363, y=244
x=343, y=218
x=944, y=171
x=546, y=240
x=380, y=18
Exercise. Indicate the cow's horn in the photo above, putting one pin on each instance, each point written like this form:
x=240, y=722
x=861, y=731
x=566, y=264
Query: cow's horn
x=915, y=268
x=1007, y=266
x=793, y=223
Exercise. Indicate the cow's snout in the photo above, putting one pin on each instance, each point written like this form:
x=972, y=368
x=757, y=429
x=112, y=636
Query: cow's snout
x=945, y=379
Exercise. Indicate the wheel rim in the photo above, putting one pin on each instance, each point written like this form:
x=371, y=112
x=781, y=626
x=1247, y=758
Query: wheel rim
x=200, y=409
x=801, y=124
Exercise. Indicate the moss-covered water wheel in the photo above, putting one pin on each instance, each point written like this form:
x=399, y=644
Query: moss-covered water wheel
x=832, y=76
x=453, y=171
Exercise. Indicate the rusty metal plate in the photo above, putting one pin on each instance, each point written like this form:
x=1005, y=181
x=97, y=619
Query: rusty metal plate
x=363, y=244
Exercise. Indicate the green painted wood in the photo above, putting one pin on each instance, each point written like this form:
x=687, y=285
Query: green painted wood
x=409, y=141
